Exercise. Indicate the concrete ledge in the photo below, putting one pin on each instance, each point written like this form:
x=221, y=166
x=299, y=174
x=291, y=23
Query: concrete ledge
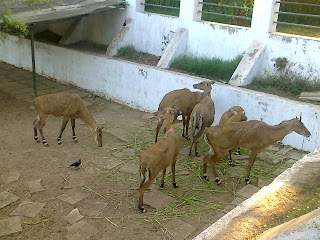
x=116, y=42
x=249, y=218
x=304, y=227
x=247, y=67
x=176, y=48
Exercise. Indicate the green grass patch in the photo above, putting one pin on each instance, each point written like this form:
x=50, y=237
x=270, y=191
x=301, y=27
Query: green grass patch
x=129, y=53
x=296, y=30
x=214, y=68
x=164, y=11
x=284, y=86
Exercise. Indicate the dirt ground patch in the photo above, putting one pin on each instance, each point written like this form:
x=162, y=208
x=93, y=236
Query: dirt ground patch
x=108, y=179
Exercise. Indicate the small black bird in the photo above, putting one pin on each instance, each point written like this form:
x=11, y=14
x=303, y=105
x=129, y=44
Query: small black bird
x=76, y=164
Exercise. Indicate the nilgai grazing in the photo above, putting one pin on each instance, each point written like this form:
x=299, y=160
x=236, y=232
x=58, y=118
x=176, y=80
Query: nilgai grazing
x=234, y=114
x=254, y=135
x=68, y=105
x=202, y=116
x=159, y=156
x=183, y=100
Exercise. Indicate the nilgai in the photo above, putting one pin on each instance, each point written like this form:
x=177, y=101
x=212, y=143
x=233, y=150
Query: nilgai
x=254, y=135
x=234, y=114
x=202, y=116
x=68, y=105
x=183, y=100
x=159, y=156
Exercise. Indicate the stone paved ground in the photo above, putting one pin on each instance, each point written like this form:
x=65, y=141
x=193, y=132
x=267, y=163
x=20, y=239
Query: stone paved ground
x=102, y=194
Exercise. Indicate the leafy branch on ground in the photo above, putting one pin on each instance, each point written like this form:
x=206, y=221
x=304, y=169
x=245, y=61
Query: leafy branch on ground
x=12, y=26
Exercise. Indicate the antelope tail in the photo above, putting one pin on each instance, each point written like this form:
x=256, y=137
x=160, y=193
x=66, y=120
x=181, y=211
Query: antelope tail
x=144, y=174
x=211, y=151
x=197, y=124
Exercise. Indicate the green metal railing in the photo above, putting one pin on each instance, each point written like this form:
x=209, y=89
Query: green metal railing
x=312, y=16
x=245, y=14
x=171, y=7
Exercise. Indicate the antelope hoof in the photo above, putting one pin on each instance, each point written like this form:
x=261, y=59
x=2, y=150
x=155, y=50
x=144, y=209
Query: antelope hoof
x=197, y=154
x=189, y=153
x=248, y=181
x=37, y=139
x=59, y=141
x=142, y=209
x=205, y=177
x=218, y=181
x=161, y=185
x=75, y=139
x=229, y=162
x=45, y=143
x=175, y=185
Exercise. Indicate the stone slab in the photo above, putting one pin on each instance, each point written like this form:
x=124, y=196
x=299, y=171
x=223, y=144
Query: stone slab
x=183, y=173
x=92, y=208
x=263, y=182
x=101, y=121
x=28, y=209
x=10, y=177
x=234, y=203
x=247, y=191
x=86, y=103
x=74, y=216
x=73, y=183
x=295, y=155
x=284, y=150
x=119, y=134
x=73, y=196
x=273, y=158
x=132, y=168
x=7, y=198
x=10, y=225
x=111, y=164
x=35, y=186
x=157, y=200
x=179, y=230
x=81, y=230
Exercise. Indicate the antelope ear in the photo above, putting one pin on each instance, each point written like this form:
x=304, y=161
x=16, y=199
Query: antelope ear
x=99, y=128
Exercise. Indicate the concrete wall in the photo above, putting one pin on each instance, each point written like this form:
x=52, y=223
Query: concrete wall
x=210, y=40
x=151, y=33
x=143, y=87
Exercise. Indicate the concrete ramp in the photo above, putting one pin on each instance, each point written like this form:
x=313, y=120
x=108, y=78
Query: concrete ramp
x=176, y=47
x=115, y=44
x=247, y=67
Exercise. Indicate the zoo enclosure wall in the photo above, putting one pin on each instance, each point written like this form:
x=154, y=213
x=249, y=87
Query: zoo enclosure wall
x=152, y=33
x=142, y=87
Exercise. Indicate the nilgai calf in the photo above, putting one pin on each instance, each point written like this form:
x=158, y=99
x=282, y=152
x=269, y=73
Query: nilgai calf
x=159, y=156
x=184, y=101
x=68, y=105
x=254, y=135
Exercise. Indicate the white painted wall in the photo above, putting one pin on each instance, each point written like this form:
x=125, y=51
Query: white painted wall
x=225, y=41
x=143, y=87
x=151, y=33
